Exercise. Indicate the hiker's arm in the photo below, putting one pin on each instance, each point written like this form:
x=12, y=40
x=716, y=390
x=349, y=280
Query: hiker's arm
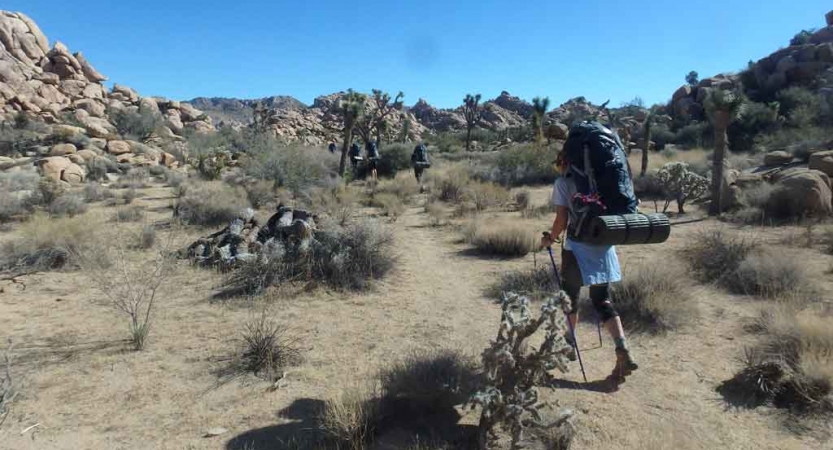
x=558, y=226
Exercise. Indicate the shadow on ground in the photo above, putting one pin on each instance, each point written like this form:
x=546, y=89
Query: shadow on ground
x=301, y=432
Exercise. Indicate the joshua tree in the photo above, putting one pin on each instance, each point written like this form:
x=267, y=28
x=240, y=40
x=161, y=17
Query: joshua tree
x=722, y=107
x=692, y=78
x=473, y=112
x=539, y=111
x=406, y=129
x=646, y=146
x=351, y=107
x=373, y=123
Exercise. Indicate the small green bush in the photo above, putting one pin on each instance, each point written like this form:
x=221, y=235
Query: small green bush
x=715, y=255
x=524, y=164
x=129, y=214
x=94, y=192
x=536, y=283
x=395, y=158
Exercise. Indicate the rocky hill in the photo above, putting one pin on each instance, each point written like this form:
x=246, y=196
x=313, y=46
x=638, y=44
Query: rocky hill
x=235, y=112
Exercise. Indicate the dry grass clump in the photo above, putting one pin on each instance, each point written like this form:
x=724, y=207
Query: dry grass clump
x=451, y=186
x=522, y=199
x=335, y=200
x=47, y=243
x=403, y=185
x=135, y=178
x=536, y=283
x=8, y=385
x=210, y=204
x=791, y=367
x=350, y=419
x=146, y=238
x=754, y=200
x=773, y=276
x=260, y=193
x=174, y=179
x=129, y=214
x=536, y=212
x=67, y=205
x=655, y=298
x=714, y=255
x=13, y=206
x=508, y=239
x=485, y=195
x=390, y=205
x=436, y=214
x=268, y=348
x=827, y=239
x=94, y=192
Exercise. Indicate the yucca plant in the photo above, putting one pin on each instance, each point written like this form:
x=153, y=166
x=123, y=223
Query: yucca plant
x=473, y=112
x=539, y=111
x=351, y=107
x=722, y=107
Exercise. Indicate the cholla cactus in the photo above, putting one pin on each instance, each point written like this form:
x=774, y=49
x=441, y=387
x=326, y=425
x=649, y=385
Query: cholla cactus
x=514, y=369
x=681, y=184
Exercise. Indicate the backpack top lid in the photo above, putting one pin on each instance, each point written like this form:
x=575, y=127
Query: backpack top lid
x=610, y=174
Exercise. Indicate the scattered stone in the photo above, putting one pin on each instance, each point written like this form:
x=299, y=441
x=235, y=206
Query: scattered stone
x=62, y=150
x=823, y=162
x=777, y=158
x=216, y=431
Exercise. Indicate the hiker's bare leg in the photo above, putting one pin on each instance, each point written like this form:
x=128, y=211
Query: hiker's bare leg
x=573, y=319
x=614, y=328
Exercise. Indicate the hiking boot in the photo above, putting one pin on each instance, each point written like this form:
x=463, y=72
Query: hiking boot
x=572, y=355
x=625, y=365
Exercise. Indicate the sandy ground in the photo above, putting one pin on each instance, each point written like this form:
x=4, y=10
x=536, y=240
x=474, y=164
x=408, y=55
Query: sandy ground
x=84, y=389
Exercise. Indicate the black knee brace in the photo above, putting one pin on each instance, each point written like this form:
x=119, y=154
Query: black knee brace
x=600, y=297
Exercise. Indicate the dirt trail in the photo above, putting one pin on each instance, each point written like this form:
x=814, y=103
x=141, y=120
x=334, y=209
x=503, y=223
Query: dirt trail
x=167, y=396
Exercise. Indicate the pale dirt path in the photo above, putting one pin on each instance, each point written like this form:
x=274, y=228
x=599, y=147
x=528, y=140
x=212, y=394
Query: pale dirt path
x=108, y=399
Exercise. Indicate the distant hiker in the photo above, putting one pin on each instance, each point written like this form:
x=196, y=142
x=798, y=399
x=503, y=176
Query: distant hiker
x=419, y=159
x=595, y=266
x=332, y=147
x=355, y=156
x=373, y=158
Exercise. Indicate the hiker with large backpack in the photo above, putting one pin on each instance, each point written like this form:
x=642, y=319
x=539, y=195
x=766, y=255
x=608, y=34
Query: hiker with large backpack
x=373, y=158
x=595, y=180
x=419, y=159
x=355, y=154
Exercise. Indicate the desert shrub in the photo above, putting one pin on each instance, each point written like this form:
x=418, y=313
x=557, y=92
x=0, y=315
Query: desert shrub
x=754, y=200
x=649, y=186
x=99, y=167
x=146, y=238
x=47, y=243
x=697, y=134
x=791, y=367
x=131, y=289
x=536, y=212
x=174, y=179
x=801, y=38
x=773, y=276
x=404, y=186
x=535, y=283
x=49, y=190
x=508, y=239
x=436, y=214
x=67, y=205
x=523, y=165
x=485, y=195
x=395, y=157
x=522, y=199
x=94, y=192
x=18, y=181
x=135, y=125
x=827, y=239
x=680, y=184
x=801, y=142
x=135, y=178
x=268, y=348
x=210, y=204
x=757, y=119
x=259, y=193
x=390, y=204
x=426, y=383
x=129, y=214
x=295, y=168
x=8, y=384
x=337, y=201
x=514, y=369
x=129, y=195
x=655, y=298
x=342, y=258
x=451, y=186
x=714, y=255
x=12, y=207
x=350, y=419
x=662, y=135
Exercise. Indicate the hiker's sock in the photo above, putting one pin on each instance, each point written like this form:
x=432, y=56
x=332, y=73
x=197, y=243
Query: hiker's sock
x=620, y=342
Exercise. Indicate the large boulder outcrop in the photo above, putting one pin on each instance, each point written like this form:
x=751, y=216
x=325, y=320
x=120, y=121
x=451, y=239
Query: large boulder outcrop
x=53, y=167
x=62, y=150
x=777, y=158
x=823, y=162
x=801, y=193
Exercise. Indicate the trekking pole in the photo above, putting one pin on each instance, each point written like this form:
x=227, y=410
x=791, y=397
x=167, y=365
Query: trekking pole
x=567, y=316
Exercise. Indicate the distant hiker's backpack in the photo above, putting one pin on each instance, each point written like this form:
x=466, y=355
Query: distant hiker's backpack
x=372, y=150
x=600, y=170
x=420, y=157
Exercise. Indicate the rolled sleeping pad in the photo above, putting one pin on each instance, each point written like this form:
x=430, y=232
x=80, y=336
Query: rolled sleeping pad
x=639, y=229
x=660, y=228
x=606, y=230
x=422, y=164
x=629, y=229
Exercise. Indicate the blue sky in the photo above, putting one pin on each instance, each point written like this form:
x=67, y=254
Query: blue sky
x=437, y=50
